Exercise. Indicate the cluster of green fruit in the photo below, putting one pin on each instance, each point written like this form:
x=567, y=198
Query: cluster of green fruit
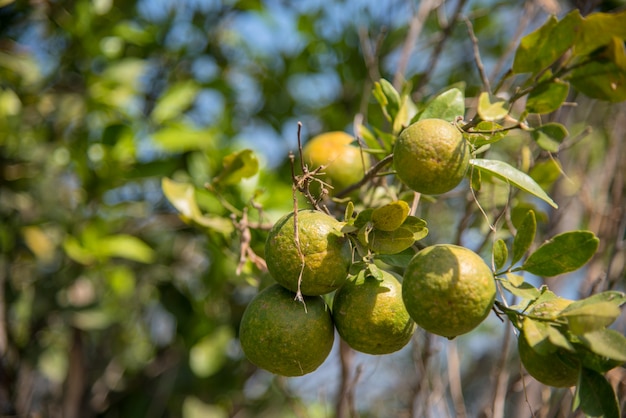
x=448, y=290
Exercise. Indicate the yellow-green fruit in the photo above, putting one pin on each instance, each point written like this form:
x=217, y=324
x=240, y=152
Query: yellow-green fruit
x=558, y=369
x=327, y=254
x=285, y=336
x=448, y=290
x=370, y=316
x=431, y=156
x=343, y=163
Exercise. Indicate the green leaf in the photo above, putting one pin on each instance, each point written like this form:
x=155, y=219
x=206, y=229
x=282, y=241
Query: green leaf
x=524, y=237
x=400, y=259
x=388, y=98
x=595, y=396
x=175, y=101
x=207, y=356
x=126, y=246
x=78, y=253
x=547, y=97
x=612, y=296
x=563, y=253
x=590, y=317
x=537, y=336
x=237, y=166
x=511, y=175
x=491, y=108
x=598, y=29
x=544, y=46
x=370, y=139
x=182, y=197
x=485, y=133
x=557, y=338
x=390, y=216
x=447, y=106
x=518, y=287
x=606, y=343
x=603, y=78
x=500, y=253
x=178, y=137
x=545, y=173
x=417, y=226
x=391, y=242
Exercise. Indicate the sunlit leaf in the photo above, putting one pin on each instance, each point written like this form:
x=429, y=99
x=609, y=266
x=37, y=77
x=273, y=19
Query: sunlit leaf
x=447, y=106
x=563, y=253
x=545, y=45
x=513, y=176
x=178, y=137
x=595, y=396
x=607, y=343
x=598, y=29
x=237, y=166
x=390, y=216
x=536, y=334
x=491, y=108
x=484, y=133
x=207, y=356
x=126, y=246
x=524, y=237
x=182, y=197
x=391, y=242
x=195, y=408
x=178, y=98
x=518, y=287
x=500, y=253
x=588, y=318
x=78, y=253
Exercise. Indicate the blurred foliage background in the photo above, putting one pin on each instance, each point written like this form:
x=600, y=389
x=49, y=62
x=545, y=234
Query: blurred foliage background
x=112, y=306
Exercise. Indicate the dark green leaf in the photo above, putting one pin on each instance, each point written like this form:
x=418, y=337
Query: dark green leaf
x=590, y=317
x=547, y=97
x=500, y=253
x=606, y=343
x=513, y=176
x=447, y=106
x=524, y=237
x=238, y=166
x=563, y=253
x=603, y=78
x=491, y=108
x=400, y=259
x=595, y=395
x=549, y=136
x=544, y=46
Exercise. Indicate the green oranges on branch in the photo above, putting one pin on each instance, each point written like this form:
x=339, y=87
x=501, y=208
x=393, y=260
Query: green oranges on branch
x=431, y=156
x=448, y=290
x=344, y=164
x=320, y=265
x=284, y=336
x=369, y=314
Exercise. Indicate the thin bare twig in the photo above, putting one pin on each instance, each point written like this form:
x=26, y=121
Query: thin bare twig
x=479, y=62
x=415, y=28
x=434, y=57
x=371, y=173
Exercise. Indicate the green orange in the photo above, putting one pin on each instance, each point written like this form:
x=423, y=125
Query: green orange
x=369, y=314
x=344, y=163
x=448, y=290
x=326, y=253
x=286, y=336
x=431, y=156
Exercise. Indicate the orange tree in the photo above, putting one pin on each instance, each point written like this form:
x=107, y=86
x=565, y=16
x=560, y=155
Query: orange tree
x=147, y=152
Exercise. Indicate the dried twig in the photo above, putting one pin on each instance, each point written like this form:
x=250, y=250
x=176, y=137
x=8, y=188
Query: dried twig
x=479, y=62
